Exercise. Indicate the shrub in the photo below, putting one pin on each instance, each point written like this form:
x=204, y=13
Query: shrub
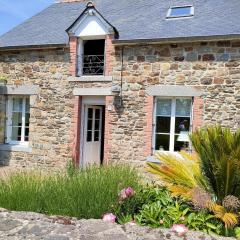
x=85, y=193
x=219, y=151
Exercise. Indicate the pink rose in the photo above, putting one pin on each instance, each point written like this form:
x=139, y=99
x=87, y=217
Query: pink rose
x=180, y=229
x=109, y=217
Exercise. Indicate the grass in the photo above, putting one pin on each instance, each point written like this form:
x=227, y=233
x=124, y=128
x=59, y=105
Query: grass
x=85, y=193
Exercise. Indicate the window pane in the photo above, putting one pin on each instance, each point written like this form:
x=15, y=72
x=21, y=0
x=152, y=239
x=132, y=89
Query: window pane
x=27, y=117
x=96, y=136
x=164, y=107
x=90, y=113
x=183, y=107
x=17, y=104
x=27, y=105
x=89, y=127
x=180, y=145
x=89, y=136
x=26, y=137
x=180, y=11
x=16, y=134
x=97, y=114
x=17, y=119
x=163, y=124
x=162, y=142
x=97, y=124
x=182, y=124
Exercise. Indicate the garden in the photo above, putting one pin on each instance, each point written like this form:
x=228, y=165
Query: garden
x=198, y=191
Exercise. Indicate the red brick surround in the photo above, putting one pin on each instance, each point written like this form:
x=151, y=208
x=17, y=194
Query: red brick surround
x=109, y=51
x=73, y=42
x=198, y=105
x=75, y=130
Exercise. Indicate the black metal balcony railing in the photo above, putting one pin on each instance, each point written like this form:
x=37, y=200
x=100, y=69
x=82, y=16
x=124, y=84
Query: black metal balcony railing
x=93, y=64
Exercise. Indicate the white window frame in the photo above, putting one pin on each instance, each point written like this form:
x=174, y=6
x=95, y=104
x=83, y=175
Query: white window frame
x=9, y=120
x=172, y=122
x=180, y=16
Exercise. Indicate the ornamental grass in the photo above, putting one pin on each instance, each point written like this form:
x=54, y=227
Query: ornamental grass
x=87, y=193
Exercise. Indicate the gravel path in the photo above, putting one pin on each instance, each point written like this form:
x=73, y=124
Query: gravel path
x=22, y=225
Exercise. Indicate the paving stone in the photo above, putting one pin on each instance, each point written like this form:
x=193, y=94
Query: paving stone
x=56, y=237
x=8, y=224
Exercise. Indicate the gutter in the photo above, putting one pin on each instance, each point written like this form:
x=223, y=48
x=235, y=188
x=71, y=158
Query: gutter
x=120, y=42
x=33, y=47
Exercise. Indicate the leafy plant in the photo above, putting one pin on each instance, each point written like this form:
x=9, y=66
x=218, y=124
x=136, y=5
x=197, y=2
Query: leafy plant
x=180, y=173
x=204, y=221
x=166, y=210
x=219, y=151
x=237, y=232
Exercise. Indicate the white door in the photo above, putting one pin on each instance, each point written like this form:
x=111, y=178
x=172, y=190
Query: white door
x=92, y=135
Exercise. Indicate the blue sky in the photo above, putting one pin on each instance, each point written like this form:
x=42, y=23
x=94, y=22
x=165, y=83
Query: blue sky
x=13, y=12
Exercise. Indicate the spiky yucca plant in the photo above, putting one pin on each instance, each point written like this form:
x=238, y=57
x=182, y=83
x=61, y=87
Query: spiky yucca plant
x=180, y=173
x=219, y=151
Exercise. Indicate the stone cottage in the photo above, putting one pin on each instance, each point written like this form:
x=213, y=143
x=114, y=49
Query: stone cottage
x=114, y=81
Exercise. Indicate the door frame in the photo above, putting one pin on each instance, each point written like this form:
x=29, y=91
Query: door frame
x=86, y=101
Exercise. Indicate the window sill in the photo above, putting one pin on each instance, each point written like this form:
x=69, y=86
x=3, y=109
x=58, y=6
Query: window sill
x=15, y=148
x=93, y=78
x=152, y=159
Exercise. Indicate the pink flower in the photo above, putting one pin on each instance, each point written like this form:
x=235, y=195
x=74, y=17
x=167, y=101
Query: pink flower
x=132, y=223
x=109, y=217
x=180, y=229
x=125, y=193
x=122, y=195
x=129, y=192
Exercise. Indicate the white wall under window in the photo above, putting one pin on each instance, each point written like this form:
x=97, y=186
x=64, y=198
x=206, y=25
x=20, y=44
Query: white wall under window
x=172, y=123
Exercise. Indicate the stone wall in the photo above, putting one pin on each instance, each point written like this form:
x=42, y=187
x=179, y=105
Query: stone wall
x=213, y=67
x=50, y=110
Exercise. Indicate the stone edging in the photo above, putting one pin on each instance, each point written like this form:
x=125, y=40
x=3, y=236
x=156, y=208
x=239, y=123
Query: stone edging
x=23, y=225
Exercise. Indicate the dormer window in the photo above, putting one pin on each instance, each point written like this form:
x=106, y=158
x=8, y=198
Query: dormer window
x=91, y=30
x=180, y=11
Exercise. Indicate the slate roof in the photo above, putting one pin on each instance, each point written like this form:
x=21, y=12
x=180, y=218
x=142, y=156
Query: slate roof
x=133, y=19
